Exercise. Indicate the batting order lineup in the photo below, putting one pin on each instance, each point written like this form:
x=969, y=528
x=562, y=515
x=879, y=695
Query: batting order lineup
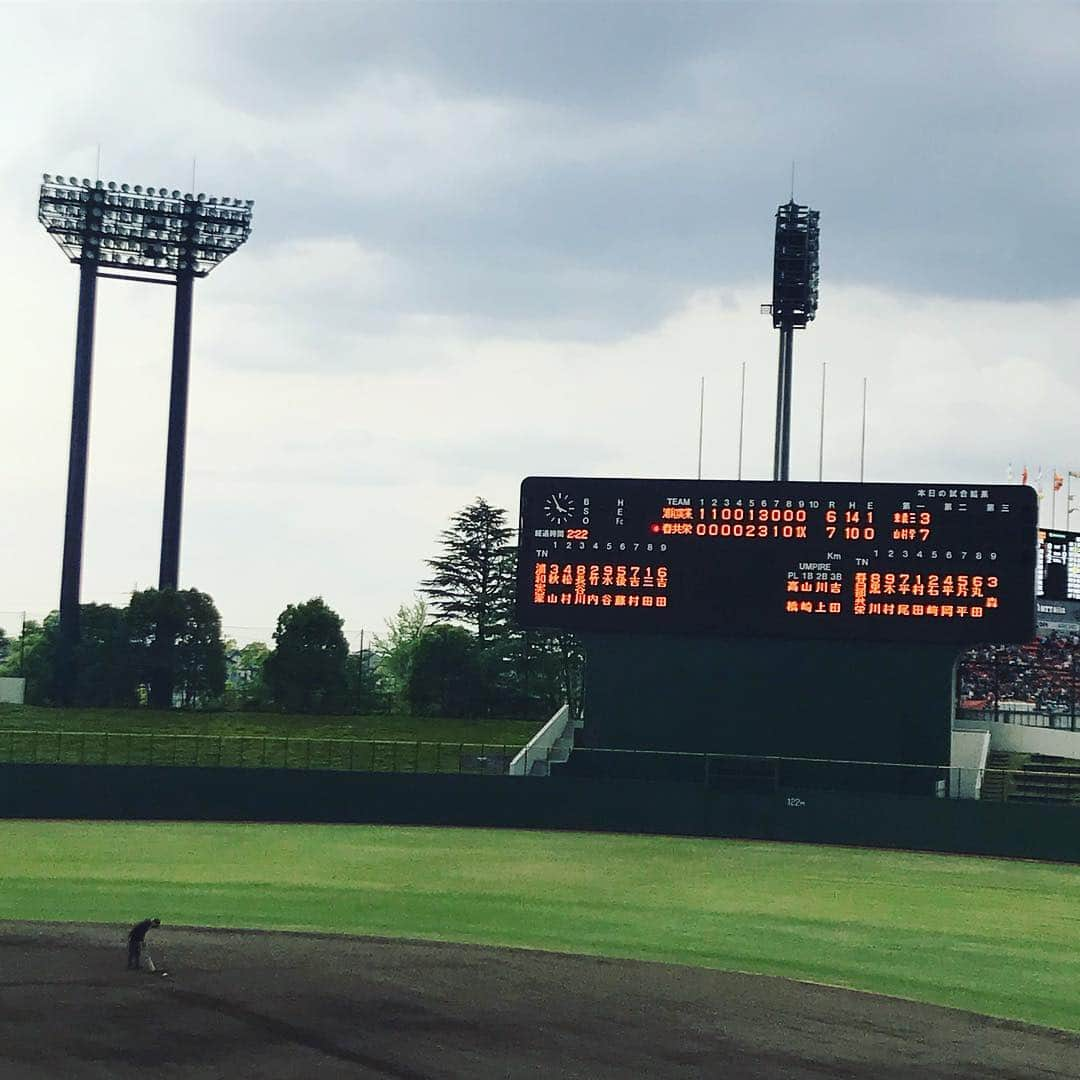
x=789, y=559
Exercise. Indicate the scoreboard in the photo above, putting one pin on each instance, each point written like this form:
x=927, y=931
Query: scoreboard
x=948, y=563
x=1059, y=565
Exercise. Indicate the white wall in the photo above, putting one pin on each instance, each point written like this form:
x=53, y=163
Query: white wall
x=1018, y=739
x=969, y=750
x=11, y=691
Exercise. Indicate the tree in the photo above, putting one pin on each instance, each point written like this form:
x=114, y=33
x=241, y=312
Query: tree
x=178, y=650
x=105, y=674
x=446, y=675
x=244, y=679
x=394, y=653
x=472, y=581
x=102, y=661
x=35, y=659
x=307, y=669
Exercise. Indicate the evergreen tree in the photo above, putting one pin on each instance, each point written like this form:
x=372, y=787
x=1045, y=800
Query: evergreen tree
x=472, y=582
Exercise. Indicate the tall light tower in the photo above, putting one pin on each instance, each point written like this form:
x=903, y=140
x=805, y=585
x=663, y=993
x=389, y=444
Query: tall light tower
x=153, y=236
x=794, y=304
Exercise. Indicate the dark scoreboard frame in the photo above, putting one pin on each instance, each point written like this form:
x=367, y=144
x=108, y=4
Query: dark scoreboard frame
x=1059, y=550
x=925, y=563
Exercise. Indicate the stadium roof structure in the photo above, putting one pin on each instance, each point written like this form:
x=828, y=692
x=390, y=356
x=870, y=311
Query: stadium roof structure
x=132, y=228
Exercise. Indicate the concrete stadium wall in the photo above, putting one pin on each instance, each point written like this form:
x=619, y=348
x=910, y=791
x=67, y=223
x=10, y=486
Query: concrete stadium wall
x=1021, y=739
x=119, y=792
x=969, y=752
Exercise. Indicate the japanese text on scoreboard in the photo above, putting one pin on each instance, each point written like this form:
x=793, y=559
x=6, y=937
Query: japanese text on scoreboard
x=888, y=562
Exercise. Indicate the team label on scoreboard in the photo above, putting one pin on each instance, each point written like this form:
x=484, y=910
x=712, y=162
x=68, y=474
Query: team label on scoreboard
x=875, y=562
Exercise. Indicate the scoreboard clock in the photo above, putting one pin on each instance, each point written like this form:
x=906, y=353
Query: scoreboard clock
x=948, y=563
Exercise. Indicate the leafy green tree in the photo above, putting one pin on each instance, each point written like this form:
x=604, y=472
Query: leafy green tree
x=35, y=659
x=105, y=674
x=538, y=671
x=178, y=649
x=472, y=579
x=104, y=662
x=395, y=650
x=307, y=671
x=446, y=677
x=245, y=676
x=5, y=646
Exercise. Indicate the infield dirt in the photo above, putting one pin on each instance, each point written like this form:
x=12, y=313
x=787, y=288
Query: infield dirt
x=276, y=1005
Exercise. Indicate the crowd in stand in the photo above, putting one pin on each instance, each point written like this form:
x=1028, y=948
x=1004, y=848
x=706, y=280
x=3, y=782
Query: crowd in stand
x=1044, y=674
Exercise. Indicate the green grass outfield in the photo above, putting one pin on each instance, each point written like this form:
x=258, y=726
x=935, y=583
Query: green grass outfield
x=993, y=936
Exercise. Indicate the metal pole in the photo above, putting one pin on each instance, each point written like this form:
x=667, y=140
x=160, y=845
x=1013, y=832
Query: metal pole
x=789, y=333
x=701, y=425
x=821, y=432
x=169, y=574
x=71, y=573
x=781, y=393
x=742, y=411
x=862, y=451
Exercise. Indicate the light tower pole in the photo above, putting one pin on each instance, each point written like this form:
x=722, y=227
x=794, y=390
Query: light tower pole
x=156, y=237
x=794, y=304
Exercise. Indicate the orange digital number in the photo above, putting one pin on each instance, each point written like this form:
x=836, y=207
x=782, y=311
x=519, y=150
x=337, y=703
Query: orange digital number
x=577, y=534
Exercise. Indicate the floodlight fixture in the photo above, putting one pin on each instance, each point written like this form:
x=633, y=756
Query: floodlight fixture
x=794, y=305
x=159, y=231
x=162, y=237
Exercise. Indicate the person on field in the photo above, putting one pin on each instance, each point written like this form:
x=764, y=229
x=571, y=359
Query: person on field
x=137, y=952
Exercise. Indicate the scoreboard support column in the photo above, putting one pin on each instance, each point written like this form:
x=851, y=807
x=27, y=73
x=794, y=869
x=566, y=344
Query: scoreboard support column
x=843, y=701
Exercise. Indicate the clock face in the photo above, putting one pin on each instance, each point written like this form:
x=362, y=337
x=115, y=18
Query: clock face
x=558, y=508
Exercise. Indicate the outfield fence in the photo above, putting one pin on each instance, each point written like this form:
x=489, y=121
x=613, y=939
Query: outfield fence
x=1039, y=780
x=251, y=751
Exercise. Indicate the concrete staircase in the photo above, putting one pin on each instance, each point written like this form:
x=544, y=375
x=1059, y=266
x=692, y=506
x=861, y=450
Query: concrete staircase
x=1012, y=777
x=551, y=745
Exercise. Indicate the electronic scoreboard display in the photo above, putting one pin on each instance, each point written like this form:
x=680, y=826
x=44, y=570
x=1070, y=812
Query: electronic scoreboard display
x=872, y=562
x=1059, y=565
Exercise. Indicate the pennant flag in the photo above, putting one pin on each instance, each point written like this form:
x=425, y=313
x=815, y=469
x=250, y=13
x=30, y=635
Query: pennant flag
x=1076, y=474
x=1024, y=475
x=1059, y=481
x=1009, y=474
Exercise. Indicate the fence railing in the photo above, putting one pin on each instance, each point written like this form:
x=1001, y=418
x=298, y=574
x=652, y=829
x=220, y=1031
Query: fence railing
x=1037, y=686
x=251, y=751
x=1038, y=782
x=733, y=773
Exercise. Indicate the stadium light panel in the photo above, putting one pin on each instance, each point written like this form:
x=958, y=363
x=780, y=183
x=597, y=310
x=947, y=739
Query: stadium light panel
x=160, y=231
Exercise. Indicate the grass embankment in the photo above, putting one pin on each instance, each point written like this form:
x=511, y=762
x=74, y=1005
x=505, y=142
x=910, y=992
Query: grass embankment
x=993, y=936
x=273, y=725
x=30, y=733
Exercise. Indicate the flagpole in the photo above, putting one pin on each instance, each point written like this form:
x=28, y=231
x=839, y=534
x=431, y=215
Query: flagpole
x=862, y=451
x=1053, y=498
x=701, y=426
x=821, y=433
x=742, y=410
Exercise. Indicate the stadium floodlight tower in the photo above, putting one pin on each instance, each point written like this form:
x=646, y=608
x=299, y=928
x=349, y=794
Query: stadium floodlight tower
x=147, y=235
x=794, y=304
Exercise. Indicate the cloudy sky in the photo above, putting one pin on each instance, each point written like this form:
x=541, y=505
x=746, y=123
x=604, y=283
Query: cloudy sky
x=494, y=240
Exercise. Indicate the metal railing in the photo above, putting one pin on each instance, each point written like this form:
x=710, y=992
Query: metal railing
x=251, y=751
x=1036, y=685
x=1039, y=781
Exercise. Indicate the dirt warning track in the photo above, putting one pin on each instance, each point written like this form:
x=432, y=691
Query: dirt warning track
x=247, y=1004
